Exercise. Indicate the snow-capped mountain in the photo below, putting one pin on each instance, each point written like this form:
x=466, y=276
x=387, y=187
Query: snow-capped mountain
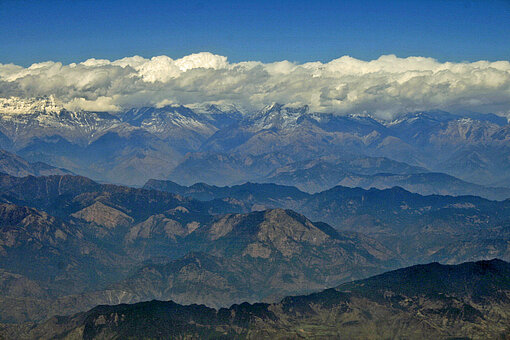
x=277, y=116
x=20, y=106
x=22, y=120
x=141, y=143
x=121, y=147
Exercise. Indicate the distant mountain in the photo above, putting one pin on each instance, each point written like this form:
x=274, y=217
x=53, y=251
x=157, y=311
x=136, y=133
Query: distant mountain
x=258, y=256
x=16, y=166
x=119, y=155
x=322, y=174
x=180, y=126
x=426, y=184
x=83, y=242
x=297, y=133
x=310, y=175
x=248, y=195
x=381, y=173
x=111, y=232
x=431, y=140
x=225, y=169
x=23, y=120
x=118, y=148
x=419, y=302
x=422, y=228
x=470, y=147
x=178, y=143
x=483, y=164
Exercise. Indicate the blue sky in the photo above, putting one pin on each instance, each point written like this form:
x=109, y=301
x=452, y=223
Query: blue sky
x=301, y=31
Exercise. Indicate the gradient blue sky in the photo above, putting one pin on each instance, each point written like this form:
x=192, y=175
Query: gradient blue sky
x=72, y=31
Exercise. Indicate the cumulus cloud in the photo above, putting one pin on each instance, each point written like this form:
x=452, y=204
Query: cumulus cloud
x=386, y=86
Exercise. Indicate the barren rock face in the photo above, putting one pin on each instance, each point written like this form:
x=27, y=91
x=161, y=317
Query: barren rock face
x=224, y=226
x=156, y=226
x=257, y=250
x=287, y=234
x=19, y=224
x=104, y=215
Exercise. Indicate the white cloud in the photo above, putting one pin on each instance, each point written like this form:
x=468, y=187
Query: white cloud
x=99, y=104
x=385, y=86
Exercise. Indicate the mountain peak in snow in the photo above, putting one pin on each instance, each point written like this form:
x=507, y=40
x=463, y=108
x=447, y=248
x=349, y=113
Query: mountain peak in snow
x=16, y=105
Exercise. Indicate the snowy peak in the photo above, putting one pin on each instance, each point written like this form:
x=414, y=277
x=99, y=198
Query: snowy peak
x=16, y=106
x=284, y=109
x=24, y=119
x=278, y=116
x=437, y=117
x=216, y=109
x=169, y=119
x=431, y=117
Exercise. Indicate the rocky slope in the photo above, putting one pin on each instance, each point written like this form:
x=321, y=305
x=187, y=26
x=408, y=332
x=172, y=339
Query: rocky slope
x=248, y=257
x=43, y=257
x=16, y=166
x=419, y=228
x=420, y=302
x=258, y=256
x=102, y=235
x=116, y=241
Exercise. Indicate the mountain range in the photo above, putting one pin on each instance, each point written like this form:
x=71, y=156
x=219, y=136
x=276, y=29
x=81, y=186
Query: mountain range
x=73, y=239
x=179, y=143
x=204, y=221
x=419, y=302
x=75, y=243
x=322, y=174
x=14, y=165
x=418, y=228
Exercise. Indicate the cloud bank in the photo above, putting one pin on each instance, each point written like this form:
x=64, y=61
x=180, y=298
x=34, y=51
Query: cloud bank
x=385, y=86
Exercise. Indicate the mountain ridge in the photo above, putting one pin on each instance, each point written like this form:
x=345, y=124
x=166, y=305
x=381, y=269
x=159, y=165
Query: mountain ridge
x=144, y=141
x=366, y=311
x=14, y=165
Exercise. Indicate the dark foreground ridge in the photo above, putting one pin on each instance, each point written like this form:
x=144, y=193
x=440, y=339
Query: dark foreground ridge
x=418, y=302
